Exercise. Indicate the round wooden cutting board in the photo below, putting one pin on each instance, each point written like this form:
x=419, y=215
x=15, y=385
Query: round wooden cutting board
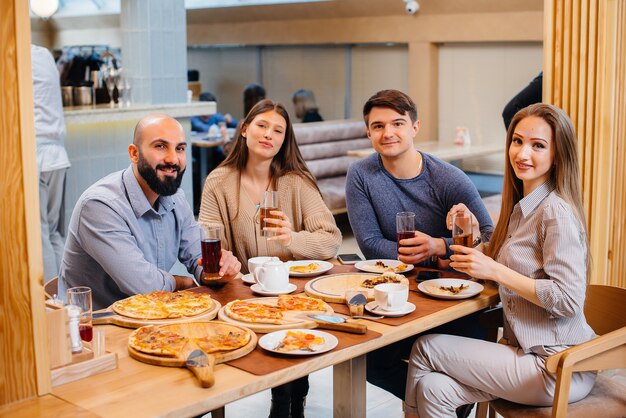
x=294, y=319
x=332, y=288
x=124, y=321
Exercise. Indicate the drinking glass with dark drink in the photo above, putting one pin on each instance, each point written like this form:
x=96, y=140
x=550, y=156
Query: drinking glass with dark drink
x=405, y=226
x=269, y=204
x=81, y=297
x=462, y=224
x=211, y=253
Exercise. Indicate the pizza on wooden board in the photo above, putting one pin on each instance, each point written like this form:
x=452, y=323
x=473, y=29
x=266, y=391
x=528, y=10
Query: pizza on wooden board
x=164, y=305
x=301, y=303
x=225, y=341
x=262, y=313
x=158, y=341
x=384, y=278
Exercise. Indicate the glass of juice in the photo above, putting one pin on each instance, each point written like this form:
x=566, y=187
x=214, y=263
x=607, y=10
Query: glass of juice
x=405, y=226
x=81, y=296
x=211, y=253
x=269, y=204
x=462, y=229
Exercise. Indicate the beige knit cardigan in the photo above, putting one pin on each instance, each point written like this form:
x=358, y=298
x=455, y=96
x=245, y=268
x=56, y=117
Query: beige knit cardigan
x=224, y=202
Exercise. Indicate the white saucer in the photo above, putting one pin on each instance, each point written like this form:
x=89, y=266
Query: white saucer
x=256, y=288
x=248, y=278
x=407, y=309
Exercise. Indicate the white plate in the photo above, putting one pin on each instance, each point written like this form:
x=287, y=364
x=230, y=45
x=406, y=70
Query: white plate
x=431, y=288
x=271, y=340
x=407, y=309
x=370, y=267
x=256, y=288
x=324, y=266
x=248, y=278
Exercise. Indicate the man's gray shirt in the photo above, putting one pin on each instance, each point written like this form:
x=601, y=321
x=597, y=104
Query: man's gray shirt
x=119, y=245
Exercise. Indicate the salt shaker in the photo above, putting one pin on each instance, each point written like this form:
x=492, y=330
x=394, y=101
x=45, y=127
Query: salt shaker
x=73, y=313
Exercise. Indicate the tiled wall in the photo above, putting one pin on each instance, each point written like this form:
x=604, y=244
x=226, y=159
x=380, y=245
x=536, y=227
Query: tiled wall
x=98, y=149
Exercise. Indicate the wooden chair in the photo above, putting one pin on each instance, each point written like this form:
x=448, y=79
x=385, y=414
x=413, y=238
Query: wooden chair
x=604, y=310
x=51, y=287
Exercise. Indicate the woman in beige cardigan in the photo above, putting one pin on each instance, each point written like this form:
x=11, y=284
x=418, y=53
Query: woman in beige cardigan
x=265, y=156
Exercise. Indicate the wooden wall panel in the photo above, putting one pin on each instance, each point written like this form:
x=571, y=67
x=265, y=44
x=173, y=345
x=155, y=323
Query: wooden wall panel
x=24, y=372
x=585, y=74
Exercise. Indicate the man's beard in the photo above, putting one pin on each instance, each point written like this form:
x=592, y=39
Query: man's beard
x=166, y=187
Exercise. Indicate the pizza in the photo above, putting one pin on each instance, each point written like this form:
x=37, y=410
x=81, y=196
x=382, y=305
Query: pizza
x=254, y=312
x=164, y=305
x=299, y=340
x=309, y=268
x=224, y=341
x=384, y=278
x=156, y=340
x=447, y=290
x=301, y=303
x=382, y=267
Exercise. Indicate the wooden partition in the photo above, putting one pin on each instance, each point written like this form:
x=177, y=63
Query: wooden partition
x=585, y=74
x=24, y=372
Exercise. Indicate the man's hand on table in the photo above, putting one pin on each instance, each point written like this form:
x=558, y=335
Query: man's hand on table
x=183, y=282
x=421, y=247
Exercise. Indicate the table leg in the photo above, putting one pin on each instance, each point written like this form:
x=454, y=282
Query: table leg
x=218, y=413
x=349, y=388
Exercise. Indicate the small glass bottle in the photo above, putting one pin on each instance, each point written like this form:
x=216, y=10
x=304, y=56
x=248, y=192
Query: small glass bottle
x=73, y=313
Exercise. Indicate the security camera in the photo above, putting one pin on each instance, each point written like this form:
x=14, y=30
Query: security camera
x=411, y=6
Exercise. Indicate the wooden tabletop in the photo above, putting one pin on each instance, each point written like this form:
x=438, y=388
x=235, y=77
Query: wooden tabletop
x=446, y=152
x=141, y=390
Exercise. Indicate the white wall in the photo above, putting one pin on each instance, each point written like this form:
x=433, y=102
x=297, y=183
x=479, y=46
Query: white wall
x=476, y=81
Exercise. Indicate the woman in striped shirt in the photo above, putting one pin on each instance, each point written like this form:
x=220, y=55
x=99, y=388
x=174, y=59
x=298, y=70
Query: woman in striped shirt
x=538, y=255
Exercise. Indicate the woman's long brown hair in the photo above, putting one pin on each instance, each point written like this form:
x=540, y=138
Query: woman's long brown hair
x=565, y=173
x=287, y=160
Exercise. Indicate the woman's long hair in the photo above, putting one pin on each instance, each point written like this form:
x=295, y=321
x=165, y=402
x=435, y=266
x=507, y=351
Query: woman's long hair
x=565, y=172
x=287, y=160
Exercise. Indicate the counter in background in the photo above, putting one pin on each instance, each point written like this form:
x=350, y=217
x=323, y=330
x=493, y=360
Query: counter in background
x=98, y=137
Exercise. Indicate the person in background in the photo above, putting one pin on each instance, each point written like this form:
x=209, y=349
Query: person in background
x=530, y=94
x=52, y=159
x=204, y=122
x=266, y=157
x=128, y=230
x=306, y=108
x=252, y=94
x=398, y=178
x=539, y=257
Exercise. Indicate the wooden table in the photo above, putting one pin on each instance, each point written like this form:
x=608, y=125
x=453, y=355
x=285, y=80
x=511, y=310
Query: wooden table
x=446, y=152
x=141, y=390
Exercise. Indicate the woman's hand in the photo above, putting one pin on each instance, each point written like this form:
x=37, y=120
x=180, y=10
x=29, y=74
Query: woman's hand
x=282, y=230
x=460, y=207
x=474, y=263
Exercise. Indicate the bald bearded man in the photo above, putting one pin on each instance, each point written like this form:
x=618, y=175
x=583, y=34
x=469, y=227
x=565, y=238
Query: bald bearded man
x=128, y=229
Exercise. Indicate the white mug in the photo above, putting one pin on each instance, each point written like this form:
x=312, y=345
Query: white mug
x=391, y=296
x=273, y=276
x=255, y=262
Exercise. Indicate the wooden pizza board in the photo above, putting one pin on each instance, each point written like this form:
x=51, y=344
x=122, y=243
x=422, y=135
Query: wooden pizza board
x=196, y=330
x=124, y=321
x=296, y=319
x=332, y=288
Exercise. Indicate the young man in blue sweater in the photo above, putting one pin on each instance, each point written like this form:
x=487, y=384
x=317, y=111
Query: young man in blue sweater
x=399, y=178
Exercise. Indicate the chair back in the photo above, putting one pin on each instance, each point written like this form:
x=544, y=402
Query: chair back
x=604, y=308
x=51, y=287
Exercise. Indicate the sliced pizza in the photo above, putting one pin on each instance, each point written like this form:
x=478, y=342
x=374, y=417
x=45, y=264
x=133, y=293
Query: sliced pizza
x=225, y=341
x=157, y=341
x=163, y=305
x=298, y=340
x=301, y=303
x=254, y=312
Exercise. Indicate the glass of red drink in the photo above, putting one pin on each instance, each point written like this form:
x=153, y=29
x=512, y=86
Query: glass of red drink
x=211, y=253
x=405, y=226
x=81, y=296
x=269, y=204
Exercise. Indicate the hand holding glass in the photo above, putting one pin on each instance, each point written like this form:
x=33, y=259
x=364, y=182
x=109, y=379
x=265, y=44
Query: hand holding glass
x=405, y=226
x=211, y=253
x=269, y=204
x=81, y=297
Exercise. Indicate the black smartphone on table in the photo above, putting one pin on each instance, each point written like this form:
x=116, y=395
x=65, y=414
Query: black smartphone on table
x=427, y=275
x=349, y=258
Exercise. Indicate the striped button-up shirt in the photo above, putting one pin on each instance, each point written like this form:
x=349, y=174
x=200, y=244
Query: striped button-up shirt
x=546, y=242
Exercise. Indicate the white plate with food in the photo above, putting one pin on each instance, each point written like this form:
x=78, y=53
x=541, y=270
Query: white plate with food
x=376, y=310
x=308, y=268
x=298, y=342
x=382, y=266
x=450, y=288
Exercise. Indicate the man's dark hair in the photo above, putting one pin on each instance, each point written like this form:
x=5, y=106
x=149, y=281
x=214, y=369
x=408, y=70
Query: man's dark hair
x=207, y=97
x=392, y=99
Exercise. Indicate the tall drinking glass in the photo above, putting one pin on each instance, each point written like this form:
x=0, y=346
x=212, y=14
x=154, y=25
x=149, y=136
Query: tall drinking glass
x=269, y=204
x=211, y=253
x=462, y=229
x=81, y=297
x=405, y=226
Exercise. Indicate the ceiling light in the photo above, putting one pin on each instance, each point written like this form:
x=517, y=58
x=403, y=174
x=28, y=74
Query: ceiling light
x=44, y=8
